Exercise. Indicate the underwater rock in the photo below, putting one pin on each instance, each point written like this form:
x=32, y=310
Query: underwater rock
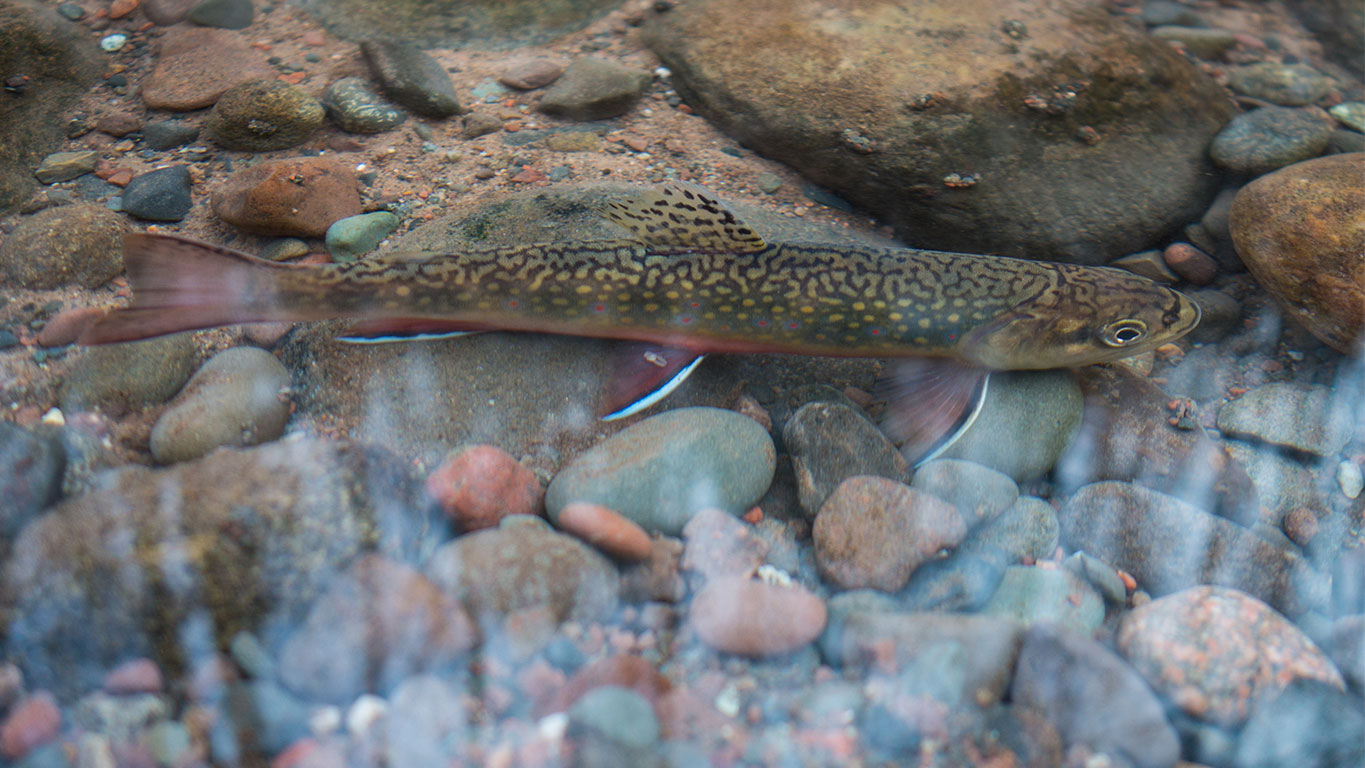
x=295, y=196
x=735, y=614
x=1215, y=652
x=979, y=493
x=195, y=66
x=1289, y=85
x=355, y=108
x=31, y=464
x=354, y=236
x=126, y=377
x=1300, y=233
x=235, y=399
x=606, y=529
x=477, y=486
x=411, y=78
x=1304, y=417
x=1309, y=724
x=593, y=89
x=955, y=122
x=1033, y=595
x=263, y=115
x=457, y=23
x=1264, y=139
x=233, y=540
x=1025, y=425
x=831, y=442
x=160, y=195
x=70, y=244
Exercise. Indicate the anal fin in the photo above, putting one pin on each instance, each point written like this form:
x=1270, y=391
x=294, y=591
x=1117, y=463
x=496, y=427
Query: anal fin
x=391, y=329
x=929, y=404
x=643, y=374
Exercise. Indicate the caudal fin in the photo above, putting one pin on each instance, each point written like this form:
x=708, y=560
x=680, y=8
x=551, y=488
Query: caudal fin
x=184, y=285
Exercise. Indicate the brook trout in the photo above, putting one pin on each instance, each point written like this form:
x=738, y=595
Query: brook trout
x=691, y=280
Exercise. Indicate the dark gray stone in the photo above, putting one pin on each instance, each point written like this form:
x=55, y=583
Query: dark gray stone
x=593, y=89
x=224, y=14
x=1258, y=142
x=160, y=195
x=168, y=134
x=31, y=464
x=830, y=442
x=411, y=78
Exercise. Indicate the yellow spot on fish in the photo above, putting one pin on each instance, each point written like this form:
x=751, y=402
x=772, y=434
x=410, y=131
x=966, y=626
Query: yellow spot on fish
x=748, y=302
x=484, y=305
x=559, y=301
x=402, y=290
x=858, y=306
x=835, y=318
x=924, y=322
x=584, y=289
x=709, y=315
x=895, y=316
x=807, y=310
x=651, y=307
x=954, y=317
x=868, y=318
x=920, y=339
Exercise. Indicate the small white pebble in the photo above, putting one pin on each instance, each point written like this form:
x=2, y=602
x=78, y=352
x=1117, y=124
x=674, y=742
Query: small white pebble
x=776, y=576
x=663, y=73
x=1350, y=478
x=553, y=727
x=55, y=417
x=324, y=721
x=727, y=701
x=114, y=42
x=364, y=712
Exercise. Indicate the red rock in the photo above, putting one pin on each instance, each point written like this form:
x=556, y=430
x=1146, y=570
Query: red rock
x=314, y=38
x=66, y=326
x=480, y=485
x=531, y=73
x=118, y=123
x=33, y=722
x=136, y=676
x=626, y=671
x=121, y=8
x=528, y=175
x=196, y=65
x=298, y=197
x=605, y=529
x=719, y=544
x=1193, y=265
x=120, y=177
x=753, y=618
x=874, y=532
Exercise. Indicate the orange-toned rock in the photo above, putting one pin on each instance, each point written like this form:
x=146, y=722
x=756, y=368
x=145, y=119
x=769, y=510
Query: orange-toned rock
x=1300, y=232
x=606, y=529
x=754, y=618
x=480, y=485
x=298, y=197
x=196, y=65
x=31, y=723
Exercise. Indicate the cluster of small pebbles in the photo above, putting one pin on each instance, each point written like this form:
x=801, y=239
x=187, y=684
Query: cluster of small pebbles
x=247, y=546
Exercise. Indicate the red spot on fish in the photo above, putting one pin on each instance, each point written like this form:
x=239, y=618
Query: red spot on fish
x=513, y=304
x=762, y=323
x=695, y=305
x=876, y=331
x=952, y=337
x=686, y=320
x=599, y=308
x=792, y=325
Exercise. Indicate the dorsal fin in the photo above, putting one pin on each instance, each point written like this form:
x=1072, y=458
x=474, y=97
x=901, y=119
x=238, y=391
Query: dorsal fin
x=680, y=216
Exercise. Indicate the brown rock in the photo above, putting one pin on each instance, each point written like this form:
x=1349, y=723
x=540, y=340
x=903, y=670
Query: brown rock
x=874, y=532
x=196, y=65
x=478, y=486
x=531, y=73
x=136, y=676
x=754, y=618
x=630, y=672
x=1301, y=525
x=33, y=722
x=719, y=544
x=297, y=196
x=1193, y=265
x=118, y=123
x=657, y=578
x=605, y=529
x=1300, y=232
x=71, y=244
x=164, y=13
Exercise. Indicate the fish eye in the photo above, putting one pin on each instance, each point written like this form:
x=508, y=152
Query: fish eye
x=1123, y=332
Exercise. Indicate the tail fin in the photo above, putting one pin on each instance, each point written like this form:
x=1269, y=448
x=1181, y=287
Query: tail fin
x=184, y=285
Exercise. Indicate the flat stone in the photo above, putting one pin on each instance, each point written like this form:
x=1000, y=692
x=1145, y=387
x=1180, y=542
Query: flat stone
x=411, y=78
x=1289, y=85
x=224, y=14
x=64, y=166
x=745, y=617
x=197, y=65
x=1204, y=42
x=594, y=89
x=1026, y=424
x=354, y=236
x=979, y=493
x=355, y=108
x=168, y=134
x=830, y=442
x=1305, y=417
x=1268, y=138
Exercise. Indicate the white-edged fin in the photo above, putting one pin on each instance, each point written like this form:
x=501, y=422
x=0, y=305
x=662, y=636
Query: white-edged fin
x=682, y=216
x=930, y=403
x=643, y=375
x=387, y=330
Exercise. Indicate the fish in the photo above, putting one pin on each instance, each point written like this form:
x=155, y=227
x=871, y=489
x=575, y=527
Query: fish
x=690, y=279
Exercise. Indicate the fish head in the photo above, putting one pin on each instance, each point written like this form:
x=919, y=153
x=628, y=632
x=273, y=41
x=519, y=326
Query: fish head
x=1087, y=315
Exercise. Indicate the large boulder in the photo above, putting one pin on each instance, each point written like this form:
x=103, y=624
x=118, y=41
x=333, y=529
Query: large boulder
x=1050, y=131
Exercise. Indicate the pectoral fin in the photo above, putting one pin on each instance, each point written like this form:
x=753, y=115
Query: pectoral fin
x=929, y=404
x=684, y=217
x=642, y=375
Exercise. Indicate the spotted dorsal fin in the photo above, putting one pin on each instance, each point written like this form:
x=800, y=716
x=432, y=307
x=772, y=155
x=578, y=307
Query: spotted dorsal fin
x=685, y=217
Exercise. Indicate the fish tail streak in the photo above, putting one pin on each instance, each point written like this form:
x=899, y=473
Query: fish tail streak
x=184, y=285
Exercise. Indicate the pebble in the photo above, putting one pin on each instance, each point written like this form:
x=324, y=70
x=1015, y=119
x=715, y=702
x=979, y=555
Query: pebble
x=64, y=166
x=744, y=617
x=1161, y=13
x=1028, y=420
x=979, y=493
x=1289, y=85
x=573, y=141
x=1033, y=595
x=408, y=625
x=32, y=722
x=1347, y=142
x=197, y=65
x=619, y=714
x=298, y=197
x=1309, y=724
x=594, y=89
x=134, y=676
x=478, y=124
x=70, y=244
x=94, y=750
x=874, y=532
x=119, y=718
x=113, y=43
x=829, y=442
x=30, y=477
x=223, y=14
x=1299, y=232
x=1350, y=479
x=1350, y=114
x=529, y=74
x=354, y=236
x=118, y=124
x=1214, y=652
x=251, y=655
x=719, y=544
x=160, y=195
x=524, y=564
x=1191, y=264
x=1311, y=418
x=263, y=115
x=165, y=13
x=169, y=742
x=1093, y=698
x=1100, y=575
x=71, y=11
x=1300, y=525
x=168, y=134
x=1206, y=43
x=1168, y=545
x=478, y=485
x=1219, y=315
x=662, y=470
x=411, y=78
x=1260, y=141
x=607, y=530
x=355, y=108
x=236, y=399
x=260, y=716
x=1149, y=264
